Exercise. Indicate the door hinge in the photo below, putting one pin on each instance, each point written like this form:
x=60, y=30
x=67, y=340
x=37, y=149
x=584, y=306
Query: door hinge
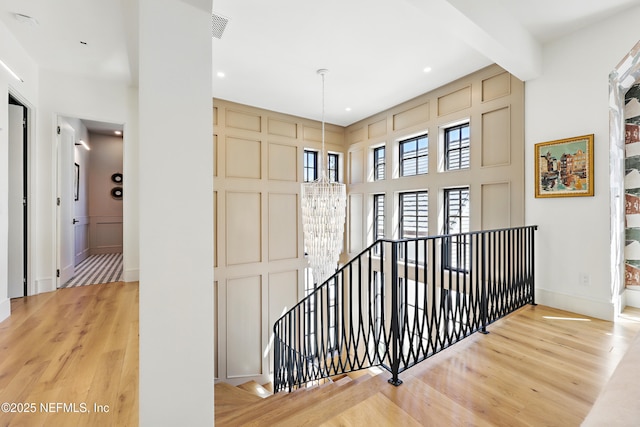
x=58, y=130
x=24, y=123
x=24, y=201
x=58, y=273
x=58, y=201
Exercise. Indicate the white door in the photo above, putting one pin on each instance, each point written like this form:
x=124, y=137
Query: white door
x=16, y=202
x=65, y=200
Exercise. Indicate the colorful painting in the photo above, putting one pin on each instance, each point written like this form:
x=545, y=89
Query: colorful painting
x=564, y=168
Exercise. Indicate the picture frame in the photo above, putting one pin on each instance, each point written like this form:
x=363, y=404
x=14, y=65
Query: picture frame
x=76, y=183
x=564, y=167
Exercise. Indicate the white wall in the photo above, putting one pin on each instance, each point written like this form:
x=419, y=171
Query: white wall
x=17, y=58
x=571, y=99
x=80, y=97
x=176, y=211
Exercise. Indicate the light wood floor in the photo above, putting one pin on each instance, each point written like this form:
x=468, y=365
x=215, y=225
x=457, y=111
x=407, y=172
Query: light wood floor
x=77, y=347
x=537, y=367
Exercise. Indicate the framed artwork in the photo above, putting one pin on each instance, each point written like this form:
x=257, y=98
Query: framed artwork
x=564, y=168
x=76, y=183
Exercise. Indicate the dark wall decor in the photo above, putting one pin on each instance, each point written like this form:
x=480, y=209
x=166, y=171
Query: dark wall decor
x=116, y=193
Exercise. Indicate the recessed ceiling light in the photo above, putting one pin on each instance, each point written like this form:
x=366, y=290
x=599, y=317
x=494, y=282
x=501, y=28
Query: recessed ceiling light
x=220, y=74
x=426, y=69
x=117, y=132
x=347, y=109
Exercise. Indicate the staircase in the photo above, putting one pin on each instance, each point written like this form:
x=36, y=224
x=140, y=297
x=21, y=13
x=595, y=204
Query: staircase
x=335, y=402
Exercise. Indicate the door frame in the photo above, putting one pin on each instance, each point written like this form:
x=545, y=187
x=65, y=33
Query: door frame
x=55, y=137
x=28, y=191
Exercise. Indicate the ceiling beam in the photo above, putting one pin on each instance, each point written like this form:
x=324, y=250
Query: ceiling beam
x=487, y=27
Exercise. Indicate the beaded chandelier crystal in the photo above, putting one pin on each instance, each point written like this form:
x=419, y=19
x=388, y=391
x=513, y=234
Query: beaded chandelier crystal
x=323, y=216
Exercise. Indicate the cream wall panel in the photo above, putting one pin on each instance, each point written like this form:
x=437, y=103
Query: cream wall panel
x=283, y=162
x=283, y=295
x=283, y=226
x=215, y=155
x=496, y=86
x=106, y=235
x=256, y=226
x=216, y=335
x=356, y=229
x=282, y=128
x=244, y=327
x=411, y=117
x=454, y=101
x=356, y=166
x=496, y=202
x=243, y=158
x=242, y=120
x=496, y=137
x=215, y=229
x=332, y=134
x=379, y=128
x=243, y=228
x=356, y=135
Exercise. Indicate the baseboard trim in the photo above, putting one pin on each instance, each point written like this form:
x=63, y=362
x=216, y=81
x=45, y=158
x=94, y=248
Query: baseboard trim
x=131, y=275
x=599, y=309
x=44, y=285
x=632, y=298
x=5, y=309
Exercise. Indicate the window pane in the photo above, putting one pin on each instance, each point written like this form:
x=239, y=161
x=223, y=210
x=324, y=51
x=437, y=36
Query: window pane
x=378, y=163
x=332, y=171
x=414, y=156
x=457, y=221
x=310, y=166
x=457, y=148
x=378, y=213
x=414, y=214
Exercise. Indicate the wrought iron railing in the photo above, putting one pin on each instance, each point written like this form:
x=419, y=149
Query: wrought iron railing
x=400, y=302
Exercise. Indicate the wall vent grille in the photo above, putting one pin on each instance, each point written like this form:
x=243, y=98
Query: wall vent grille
x=219, y=23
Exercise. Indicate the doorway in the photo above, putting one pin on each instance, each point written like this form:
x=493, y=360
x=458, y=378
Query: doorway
x=18, y=191
x=90, y=222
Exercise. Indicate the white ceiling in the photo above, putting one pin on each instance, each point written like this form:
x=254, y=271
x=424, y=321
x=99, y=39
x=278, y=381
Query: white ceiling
x=375, y=50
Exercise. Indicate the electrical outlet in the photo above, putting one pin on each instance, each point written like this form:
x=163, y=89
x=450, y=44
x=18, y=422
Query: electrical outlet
x=584, y=279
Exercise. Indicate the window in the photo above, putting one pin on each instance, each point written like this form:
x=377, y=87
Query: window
x=332, y=170
x=456, y=147
x=456, y=210
x=378, y=163
x=414, y=223
x=310, y=167
x=378, y=216
x=414, y=156
x=414, y=214
x=378, y=220
x=378, y=311
x=314, y=330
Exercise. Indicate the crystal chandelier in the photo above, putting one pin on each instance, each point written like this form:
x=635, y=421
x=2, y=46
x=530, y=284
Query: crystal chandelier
x=323, y=216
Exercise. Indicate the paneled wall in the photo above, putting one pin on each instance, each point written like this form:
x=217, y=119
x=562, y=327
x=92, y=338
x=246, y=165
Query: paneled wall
x=259, y=259
x=492, y=101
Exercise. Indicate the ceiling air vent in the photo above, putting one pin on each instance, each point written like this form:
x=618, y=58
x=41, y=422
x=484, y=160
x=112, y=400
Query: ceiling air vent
x=219, y=23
